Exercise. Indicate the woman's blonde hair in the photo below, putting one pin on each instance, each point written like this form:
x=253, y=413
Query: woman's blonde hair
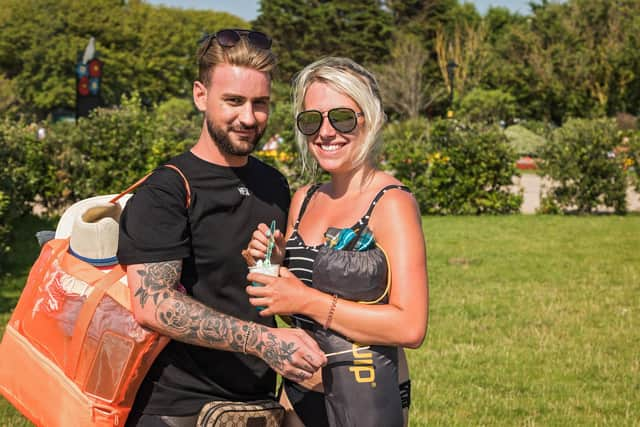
x=243, y=54
x=350, y=78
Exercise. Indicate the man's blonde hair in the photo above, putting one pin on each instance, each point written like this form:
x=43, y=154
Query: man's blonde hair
x=243, y=54
x=350, y=78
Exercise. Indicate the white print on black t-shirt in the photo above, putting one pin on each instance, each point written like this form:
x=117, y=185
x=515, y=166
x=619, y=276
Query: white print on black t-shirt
x=244, y=190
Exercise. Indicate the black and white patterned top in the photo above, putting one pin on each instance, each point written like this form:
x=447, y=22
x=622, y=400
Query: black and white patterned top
x=299, y=256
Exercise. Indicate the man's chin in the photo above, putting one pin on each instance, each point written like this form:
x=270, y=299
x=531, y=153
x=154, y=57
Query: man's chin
x=244, y=146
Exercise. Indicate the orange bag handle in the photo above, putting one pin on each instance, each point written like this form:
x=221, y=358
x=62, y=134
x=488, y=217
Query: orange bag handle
x=144, y=178
x=85, y=316
x=101, y=283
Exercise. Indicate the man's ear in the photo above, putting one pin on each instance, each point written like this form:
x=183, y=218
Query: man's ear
x=200, y=95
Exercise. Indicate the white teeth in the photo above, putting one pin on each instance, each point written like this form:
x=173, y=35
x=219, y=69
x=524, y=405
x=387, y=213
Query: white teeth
x=332, y=147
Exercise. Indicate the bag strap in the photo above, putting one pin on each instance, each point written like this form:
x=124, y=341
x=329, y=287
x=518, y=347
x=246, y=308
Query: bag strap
x=85, y=316
x=101, y=283
x=187, y=187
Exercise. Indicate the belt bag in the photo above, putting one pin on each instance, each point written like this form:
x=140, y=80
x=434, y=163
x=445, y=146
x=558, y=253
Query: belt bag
x=261, y=413
x=72, y=353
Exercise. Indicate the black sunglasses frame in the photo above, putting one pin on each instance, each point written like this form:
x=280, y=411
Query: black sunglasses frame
x=332, y=121
x=230, y=37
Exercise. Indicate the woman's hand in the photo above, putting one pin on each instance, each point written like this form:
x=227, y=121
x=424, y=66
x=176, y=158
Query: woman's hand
x=282, y=295
x=257, y=247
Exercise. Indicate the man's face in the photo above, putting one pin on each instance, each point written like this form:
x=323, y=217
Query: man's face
x=236, y=107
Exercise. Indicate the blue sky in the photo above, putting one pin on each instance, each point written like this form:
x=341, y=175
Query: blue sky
x=248, y=9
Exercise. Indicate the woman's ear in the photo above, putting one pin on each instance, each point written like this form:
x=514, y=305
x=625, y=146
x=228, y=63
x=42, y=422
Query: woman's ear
x=200, y=95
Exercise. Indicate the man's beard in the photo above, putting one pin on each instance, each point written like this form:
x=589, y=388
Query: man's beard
x=222, y=140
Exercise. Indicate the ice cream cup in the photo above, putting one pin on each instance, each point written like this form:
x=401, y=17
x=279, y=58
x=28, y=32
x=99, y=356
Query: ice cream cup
x=269, y=270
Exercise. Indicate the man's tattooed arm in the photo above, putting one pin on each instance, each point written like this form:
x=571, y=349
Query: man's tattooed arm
x=161, y=307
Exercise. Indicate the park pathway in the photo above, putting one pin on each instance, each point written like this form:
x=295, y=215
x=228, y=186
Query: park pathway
x=532, y=184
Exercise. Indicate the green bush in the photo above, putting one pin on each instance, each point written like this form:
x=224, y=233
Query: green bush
x=488, y=106
x=405, y=153
x=19, y=149
x=453, y=168
x=583, y=161
x=631, y=153
x=176, y=127
x=5, y=227
x=111, y=149
x=524, y=141
x=103, y=153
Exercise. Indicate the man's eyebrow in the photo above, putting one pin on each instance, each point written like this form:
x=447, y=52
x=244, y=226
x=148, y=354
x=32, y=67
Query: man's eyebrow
x=232, y=95
x=235, y=95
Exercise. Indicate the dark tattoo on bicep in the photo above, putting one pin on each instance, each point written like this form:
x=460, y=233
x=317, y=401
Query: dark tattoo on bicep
x=157, y=278
x=182, y=317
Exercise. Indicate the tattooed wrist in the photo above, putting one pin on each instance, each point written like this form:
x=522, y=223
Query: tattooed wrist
x=266, y=345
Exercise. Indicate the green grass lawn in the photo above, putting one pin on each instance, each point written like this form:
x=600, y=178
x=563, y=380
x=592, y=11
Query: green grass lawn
x=534, y=321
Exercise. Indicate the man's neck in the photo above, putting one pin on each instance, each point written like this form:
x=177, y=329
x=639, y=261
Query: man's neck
x=207, y=150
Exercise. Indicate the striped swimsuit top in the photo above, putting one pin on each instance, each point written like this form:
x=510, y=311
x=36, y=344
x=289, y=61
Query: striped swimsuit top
x=300, y=257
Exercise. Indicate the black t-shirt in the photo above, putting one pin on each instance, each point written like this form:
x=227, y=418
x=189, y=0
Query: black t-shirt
x=227, y=204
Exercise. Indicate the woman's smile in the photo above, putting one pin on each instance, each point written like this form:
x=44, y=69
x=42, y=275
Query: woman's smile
x=330, y=147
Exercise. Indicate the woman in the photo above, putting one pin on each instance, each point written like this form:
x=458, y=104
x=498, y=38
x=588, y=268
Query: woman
x=355, y=258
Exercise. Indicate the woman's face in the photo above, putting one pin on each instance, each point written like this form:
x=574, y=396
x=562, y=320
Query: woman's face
x=334, y=151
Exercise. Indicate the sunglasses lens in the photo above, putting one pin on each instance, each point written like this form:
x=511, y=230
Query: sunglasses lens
x=309, y=122
x=343, y=119
x=259, y=40
x=227, y=38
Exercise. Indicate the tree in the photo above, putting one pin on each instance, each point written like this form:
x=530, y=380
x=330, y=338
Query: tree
x=402, y=80
x=7, y=94
x=488, y=106
x=310, y=29
x=571, y=59
x=40, y=41
x=466, y=46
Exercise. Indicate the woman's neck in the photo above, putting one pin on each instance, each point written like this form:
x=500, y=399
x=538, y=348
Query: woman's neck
x=352, y=182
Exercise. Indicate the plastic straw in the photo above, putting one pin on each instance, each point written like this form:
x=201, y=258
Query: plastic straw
x=271, y=243
x=347, y=351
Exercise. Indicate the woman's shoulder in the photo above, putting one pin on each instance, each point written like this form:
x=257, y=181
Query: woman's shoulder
x=301, y=193
x=385, y=179
x=385, y=182
x=392, y=196
x=298, y=198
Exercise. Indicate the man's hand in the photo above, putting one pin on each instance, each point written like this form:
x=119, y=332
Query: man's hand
x=290, y=352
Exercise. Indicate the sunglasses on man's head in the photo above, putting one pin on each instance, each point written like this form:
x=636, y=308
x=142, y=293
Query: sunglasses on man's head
x=231, y=37
x=342, y=119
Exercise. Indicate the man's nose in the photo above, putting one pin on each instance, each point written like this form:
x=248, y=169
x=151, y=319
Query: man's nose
x=248, y=115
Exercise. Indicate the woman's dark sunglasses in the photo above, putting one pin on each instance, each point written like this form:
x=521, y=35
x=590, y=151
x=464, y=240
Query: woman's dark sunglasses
x=343, y=120
x=231, y=37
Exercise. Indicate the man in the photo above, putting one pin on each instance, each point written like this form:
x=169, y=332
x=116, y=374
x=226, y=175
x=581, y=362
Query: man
x=221, y=347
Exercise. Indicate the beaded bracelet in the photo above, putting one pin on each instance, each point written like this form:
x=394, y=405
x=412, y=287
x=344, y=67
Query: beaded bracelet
x=246, y=337
x=334, y=303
